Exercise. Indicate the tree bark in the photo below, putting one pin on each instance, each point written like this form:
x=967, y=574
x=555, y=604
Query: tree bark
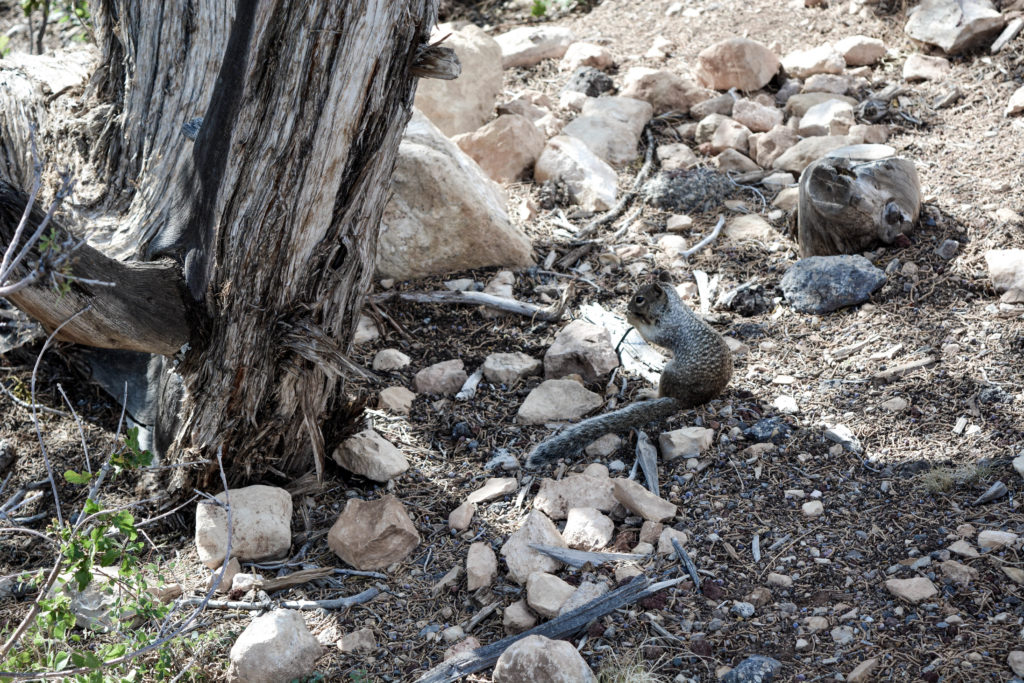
x=271, y=214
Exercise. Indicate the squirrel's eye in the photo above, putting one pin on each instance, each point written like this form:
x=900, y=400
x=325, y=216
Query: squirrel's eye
x=639, y=299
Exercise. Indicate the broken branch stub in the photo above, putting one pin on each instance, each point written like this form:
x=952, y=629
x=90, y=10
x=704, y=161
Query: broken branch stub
x=847, y=203
x=133, y=306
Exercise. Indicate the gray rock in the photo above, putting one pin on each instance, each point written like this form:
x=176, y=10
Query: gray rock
x=590, y=181
x=370, y=534
x=736, y=63
x=753, y=669
x=371, y=455
x=529, y=45
x=948, y=249
x=557, y=399
x=390, y=359
x=611, y=127
x=505, y=147
x=261, y=519
x=465, y=103
x=720, y=104
x=444, y=378
x=1006, y=271
x=581, y=348
x=822, y=284
x=842, y=435
x=521, y=559
x=589, y=81
x=742, y=609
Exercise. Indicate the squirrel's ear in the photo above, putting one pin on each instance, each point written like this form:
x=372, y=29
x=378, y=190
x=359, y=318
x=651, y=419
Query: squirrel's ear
x=664, y=276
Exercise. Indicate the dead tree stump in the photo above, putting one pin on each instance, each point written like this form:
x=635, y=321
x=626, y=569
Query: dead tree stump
x=854, y=199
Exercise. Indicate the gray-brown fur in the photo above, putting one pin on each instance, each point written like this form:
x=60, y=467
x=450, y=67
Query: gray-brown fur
x=700, y=369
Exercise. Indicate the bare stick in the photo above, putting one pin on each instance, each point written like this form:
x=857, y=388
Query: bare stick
x=900, y=370
x=337, y=603
x=475, y=298
x=617, y=210
x=559, y=627
x=35, y=417
x=6, y=290
x=81, y=430
x=706, y=241
x=37, y=180
x=578, y=558
x=25, y=404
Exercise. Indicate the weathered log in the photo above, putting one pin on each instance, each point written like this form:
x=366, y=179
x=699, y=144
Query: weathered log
x=852, y=199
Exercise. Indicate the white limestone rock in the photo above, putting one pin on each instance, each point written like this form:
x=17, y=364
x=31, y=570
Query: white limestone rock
x=261, y=525
x=445, y=214
x=274, y=647
x=370, y=455
x=530, y=45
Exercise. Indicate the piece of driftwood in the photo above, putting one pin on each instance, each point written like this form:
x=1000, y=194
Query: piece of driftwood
x=900, y=370
x=849, y=202
x=560, y=627
x=707, y=240
x=478, y=299
x=336, y=603
x=684, y=559
x=647, y=456
x=578, y=558
x=297, y=578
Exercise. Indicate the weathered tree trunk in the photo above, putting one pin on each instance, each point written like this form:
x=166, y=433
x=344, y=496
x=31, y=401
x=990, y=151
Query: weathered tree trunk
x=271, y=214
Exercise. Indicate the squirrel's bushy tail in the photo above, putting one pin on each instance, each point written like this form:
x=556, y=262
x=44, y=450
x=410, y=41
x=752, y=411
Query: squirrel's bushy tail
x=574, y=438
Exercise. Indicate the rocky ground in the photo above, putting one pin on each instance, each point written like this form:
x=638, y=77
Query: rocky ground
x=829, y=506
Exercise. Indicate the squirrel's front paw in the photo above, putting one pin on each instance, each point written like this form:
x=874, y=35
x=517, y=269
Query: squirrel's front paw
x=647, y=393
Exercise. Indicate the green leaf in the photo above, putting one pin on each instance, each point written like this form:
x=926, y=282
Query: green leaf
x=61, y=660
x=115, y=650
x=82, y=577
x=73, y=477
x=92, y=661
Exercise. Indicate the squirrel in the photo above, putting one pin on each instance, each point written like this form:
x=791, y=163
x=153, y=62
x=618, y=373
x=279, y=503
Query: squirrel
x=700, y=369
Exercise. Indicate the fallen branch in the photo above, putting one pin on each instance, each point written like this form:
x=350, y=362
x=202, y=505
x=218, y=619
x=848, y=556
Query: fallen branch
x=578, y=558
x=560, y=627
x=706, y=241
x=475, y=620
x=337, y=603
x=476, y=299
x=617, y=210
x=684, y=559
x=297, y=578
x=900, y=370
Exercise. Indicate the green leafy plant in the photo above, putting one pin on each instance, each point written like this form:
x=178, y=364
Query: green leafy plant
x=4, y=46
x=101, y=552
x=539, y=9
